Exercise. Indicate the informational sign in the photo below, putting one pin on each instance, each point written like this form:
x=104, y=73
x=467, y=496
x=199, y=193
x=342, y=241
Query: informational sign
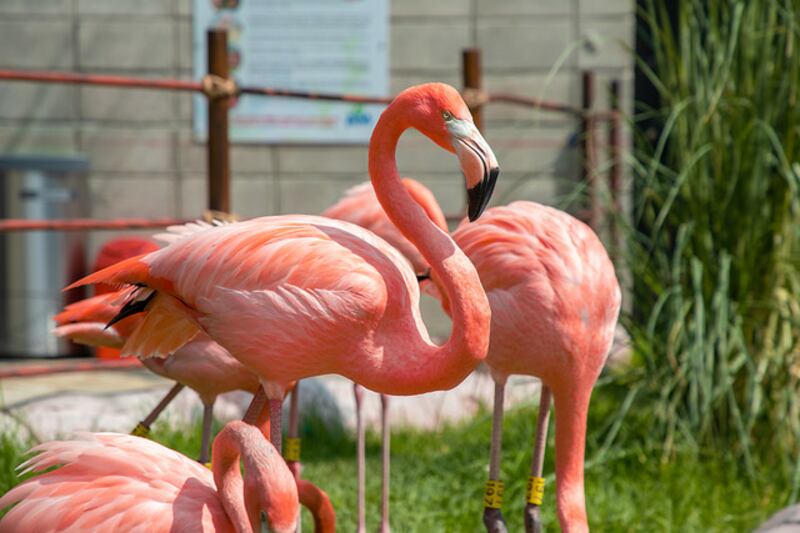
x=331, y=46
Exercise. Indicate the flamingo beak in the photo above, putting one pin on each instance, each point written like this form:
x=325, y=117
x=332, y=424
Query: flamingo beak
x=478, y=163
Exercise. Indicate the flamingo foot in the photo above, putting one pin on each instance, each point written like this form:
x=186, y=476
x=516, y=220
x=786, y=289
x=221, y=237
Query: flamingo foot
x=493, y=520
x=533, y=518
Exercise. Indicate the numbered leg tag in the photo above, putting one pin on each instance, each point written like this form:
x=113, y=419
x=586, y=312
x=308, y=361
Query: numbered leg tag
x=493, y=497
x=534, y=492
x=291, y=450
x=141, y=431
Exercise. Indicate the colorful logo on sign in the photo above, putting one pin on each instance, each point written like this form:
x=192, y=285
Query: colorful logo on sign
x=358, y=117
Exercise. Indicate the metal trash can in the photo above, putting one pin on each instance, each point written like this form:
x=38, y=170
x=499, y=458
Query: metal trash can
x=36, y=265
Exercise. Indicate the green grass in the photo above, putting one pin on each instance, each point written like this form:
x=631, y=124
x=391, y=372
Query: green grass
x=437, y=478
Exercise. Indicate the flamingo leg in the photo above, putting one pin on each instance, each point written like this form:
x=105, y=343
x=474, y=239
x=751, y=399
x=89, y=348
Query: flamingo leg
x=292, y=452
x=386, y=440
x=293, y=441
x=492, y=501
x=275, y=436
x=358, y=394
x=533, y=518
x=253, y=414
x=142, y=429
x=205, y=442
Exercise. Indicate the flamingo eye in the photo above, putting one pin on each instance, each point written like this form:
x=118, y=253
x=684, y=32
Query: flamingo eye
x=447, y=116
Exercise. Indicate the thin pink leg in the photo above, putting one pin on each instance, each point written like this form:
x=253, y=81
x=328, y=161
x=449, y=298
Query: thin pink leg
x=205, y=443
x=386, y=441
x=256, y=407
x=142, y=429
x=275, y=434
x=492, y=515
x=361, y=461
x=533, y=518
x=294, y=465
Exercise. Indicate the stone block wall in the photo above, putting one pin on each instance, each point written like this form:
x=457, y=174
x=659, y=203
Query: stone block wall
x=145, y=162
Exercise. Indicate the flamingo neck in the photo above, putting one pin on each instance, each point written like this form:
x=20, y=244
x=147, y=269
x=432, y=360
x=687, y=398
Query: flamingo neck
x=243, y=499
x=571, y=409
x=319, y=504
x=422, y=366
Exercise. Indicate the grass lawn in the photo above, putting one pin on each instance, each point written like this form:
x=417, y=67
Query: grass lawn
x=438, y=478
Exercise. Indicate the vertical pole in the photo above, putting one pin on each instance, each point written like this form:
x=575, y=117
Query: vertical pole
x=219, y=175
x=615, y=170
x=588, y=142
x=471, y=72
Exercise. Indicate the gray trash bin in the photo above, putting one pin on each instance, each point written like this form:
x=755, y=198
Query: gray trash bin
x=36, y=265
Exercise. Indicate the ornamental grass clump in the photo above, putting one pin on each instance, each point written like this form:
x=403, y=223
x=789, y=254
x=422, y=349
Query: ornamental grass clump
x=714, y=244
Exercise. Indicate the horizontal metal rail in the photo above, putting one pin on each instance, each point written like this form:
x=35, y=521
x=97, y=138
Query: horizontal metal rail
x=215, y=87
x=79, y=224
x=97, y=365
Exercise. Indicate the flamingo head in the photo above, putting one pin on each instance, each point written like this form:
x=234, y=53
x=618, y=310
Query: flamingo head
x=438, y=111
x=275, y=488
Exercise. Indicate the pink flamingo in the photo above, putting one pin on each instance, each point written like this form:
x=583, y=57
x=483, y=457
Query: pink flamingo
x=360, y=206
x=555, y=301
x=297, y=296
x=113, y=482
x=201, y=364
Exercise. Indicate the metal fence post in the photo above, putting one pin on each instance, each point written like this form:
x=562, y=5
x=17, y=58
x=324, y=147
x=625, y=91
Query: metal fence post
x=588, y=144
x=219, y=174
x=471, y=73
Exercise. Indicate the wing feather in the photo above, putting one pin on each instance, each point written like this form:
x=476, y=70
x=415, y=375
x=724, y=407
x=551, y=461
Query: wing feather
x=110, y=482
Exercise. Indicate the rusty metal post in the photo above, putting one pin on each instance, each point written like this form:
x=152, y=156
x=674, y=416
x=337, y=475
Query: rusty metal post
x=471, y=72
x=588, y=149
x=219, y=173
x=615, y=170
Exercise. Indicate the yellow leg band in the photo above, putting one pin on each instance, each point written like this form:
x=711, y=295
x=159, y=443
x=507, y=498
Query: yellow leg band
x=493, y=497
x=207, y=465
x=534, y=492
x=141, y=431
x=291, y=449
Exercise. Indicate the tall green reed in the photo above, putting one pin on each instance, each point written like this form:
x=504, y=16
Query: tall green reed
x=714, y=247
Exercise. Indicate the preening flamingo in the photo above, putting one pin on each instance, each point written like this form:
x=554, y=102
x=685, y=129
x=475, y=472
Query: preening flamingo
x=360, y=206
x=108, y=482
x=555, y=300
x=297, y=296
x=201, y=364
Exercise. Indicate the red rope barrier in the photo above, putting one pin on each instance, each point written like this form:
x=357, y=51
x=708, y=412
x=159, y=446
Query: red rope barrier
x=507, y=98
x=89, y=224
x=211, y=89
x=26, y=371
x=354, y=98
x=100, y=79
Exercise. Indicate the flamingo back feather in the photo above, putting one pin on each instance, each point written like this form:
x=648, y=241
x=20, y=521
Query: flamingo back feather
x=108, y=482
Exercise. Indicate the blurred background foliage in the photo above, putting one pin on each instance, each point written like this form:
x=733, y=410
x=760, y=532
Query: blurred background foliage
x=713, y=240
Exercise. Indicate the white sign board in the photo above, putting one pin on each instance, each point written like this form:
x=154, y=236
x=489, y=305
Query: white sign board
x=331, y=46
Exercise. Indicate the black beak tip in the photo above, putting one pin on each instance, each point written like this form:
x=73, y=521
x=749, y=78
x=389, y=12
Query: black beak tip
x=478, y=196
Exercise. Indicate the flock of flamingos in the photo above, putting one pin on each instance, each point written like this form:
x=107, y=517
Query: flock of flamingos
x=260, y=304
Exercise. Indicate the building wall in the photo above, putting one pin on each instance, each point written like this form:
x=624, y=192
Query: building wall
x=145, y=163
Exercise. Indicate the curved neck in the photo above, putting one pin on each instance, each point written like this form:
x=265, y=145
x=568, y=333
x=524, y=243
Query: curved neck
x=242, y=499
x=440, y=367
x=317, y=502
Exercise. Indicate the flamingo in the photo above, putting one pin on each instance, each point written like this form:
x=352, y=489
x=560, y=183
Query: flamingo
x=201, y=364
x=297, y=296
x=555, y=300
x=360, y=206
x=113, y=482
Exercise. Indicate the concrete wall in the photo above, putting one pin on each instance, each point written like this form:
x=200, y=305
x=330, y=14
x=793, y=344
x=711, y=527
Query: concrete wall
x=144, y=162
